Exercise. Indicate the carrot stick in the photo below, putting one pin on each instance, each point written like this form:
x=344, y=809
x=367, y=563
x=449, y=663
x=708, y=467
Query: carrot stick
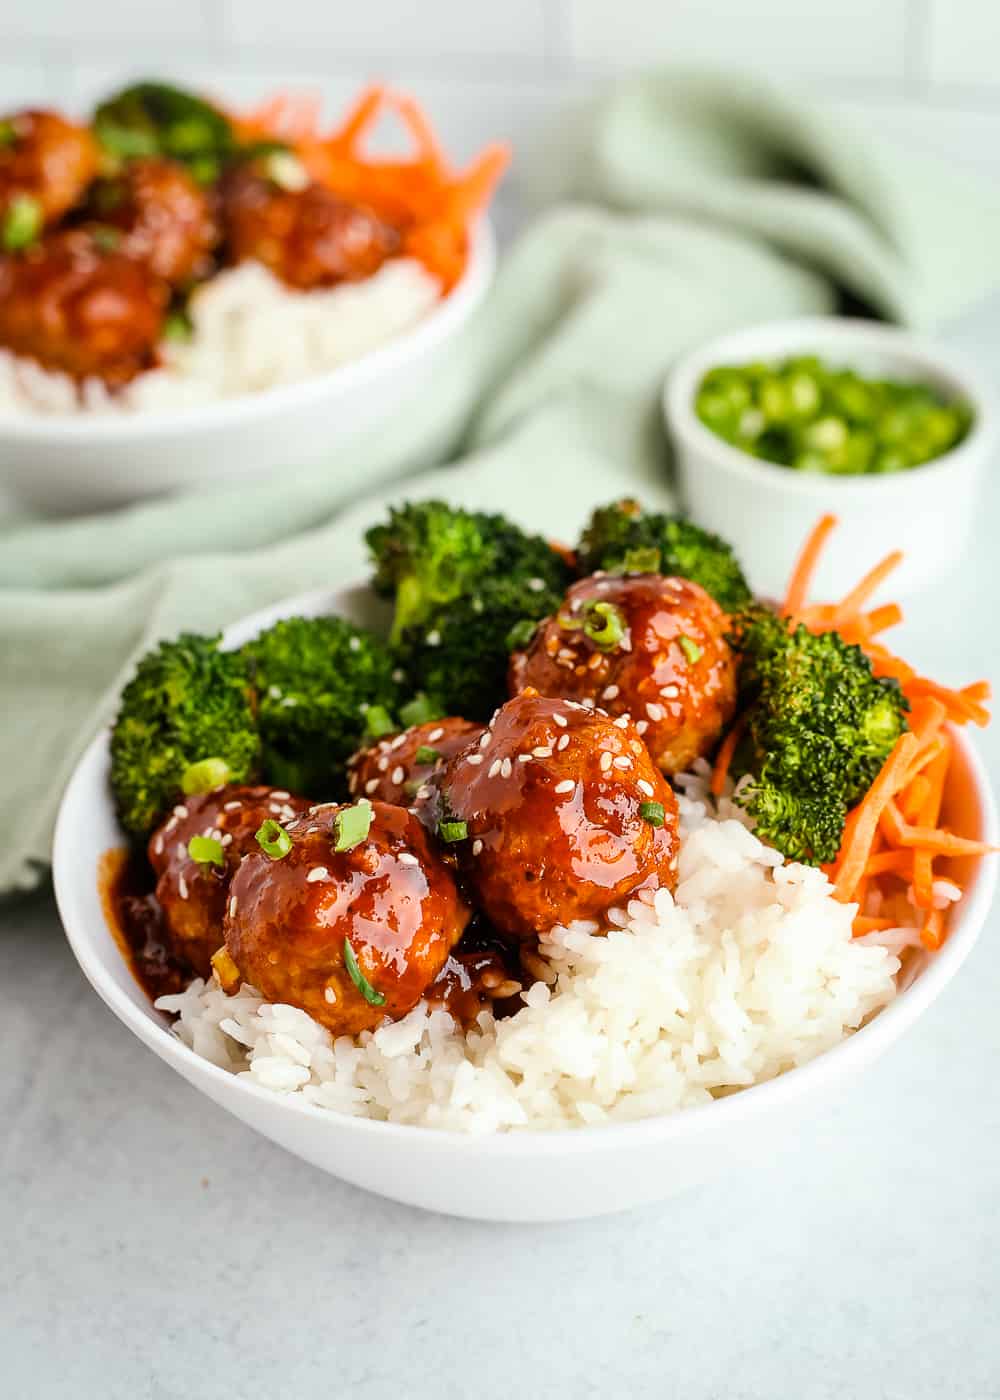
x=861, y=592
x=932, y=933
x=913, y=797
x=805, y=566
x=882, y=618
x=890, y=863
x=855, y=855
x=359, y=117
x=863, y=924
x=724, y=758
x=426, y=142
x=891, y=823
x=942, y=843
x=923, y=860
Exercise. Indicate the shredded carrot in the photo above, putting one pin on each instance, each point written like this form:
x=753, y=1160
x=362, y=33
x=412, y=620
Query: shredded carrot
x=913, y=796
x=724, y=758
x=932, y=933
x=864, y=924
x=853, y=857
x=890, y=863
x=805, y=567
x=861, y=592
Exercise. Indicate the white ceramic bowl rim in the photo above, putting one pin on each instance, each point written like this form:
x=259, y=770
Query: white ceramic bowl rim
x=435, y=326
x=839, y=335
x=854, y=1051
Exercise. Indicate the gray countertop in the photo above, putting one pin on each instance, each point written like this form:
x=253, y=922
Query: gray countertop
x=154, y=1247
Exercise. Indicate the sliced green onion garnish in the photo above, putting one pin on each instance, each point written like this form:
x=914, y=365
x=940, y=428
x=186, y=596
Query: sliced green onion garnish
x=371, y=996
x=273, y=839
x=604, y=624
x=352, y=825
x=425, y=754
x=105, y=238
x=451, y=832
x=378, y=721
x=205, y=850
x=641, y=561
x=22, y=223
x=203, y=776
x=653, y=813
x=521, y=634
x=420, y=710
x=690, y=648
x=413, y=787
x=177, y=327
x=8, y=134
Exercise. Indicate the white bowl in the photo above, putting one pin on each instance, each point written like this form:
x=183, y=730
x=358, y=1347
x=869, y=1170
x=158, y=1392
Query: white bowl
x=79, y=462
x=767, y=510
x=515, y=1176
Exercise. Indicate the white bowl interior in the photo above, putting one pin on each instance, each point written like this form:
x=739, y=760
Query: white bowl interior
x=520, y=1176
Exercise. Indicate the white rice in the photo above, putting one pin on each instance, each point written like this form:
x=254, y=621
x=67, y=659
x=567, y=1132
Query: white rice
x=251, y=332
x=749, y=970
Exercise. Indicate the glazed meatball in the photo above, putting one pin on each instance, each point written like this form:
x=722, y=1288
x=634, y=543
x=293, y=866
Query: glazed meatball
x=46, y=158
x=562, y=815
x=396, y=768
x=307, y=237
x=162, y=217
x=73, y=306
x=648, y=647
x=389, y=902
x=193, y=895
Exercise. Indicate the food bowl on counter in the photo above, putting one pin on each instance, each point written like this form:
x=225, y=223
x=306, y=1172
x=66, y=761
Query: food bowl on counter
x=765, y=508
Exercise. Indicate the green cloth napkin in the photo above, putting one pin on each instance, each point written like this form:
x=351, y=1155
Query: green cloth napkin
x=686, y=205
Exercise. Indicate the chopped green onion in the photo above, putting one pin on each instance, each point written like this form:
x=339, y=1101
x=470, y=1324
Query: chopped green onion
x=203, y=776
x=8, y=134
x=653, y=813
x=425, y=754
x=644, y=560
x=521, y=634
x=568, y=621
x=22, y=223
x=420, y=710
x=105, y=238
x=413, y=787
x=604, y=624
x=378, y=721
x=690, y=648
x=453, y=831
x=371, y=996
x=177, y=327
x=273, y=840
x=205, y=850
x=205, y=169
x=352, y=825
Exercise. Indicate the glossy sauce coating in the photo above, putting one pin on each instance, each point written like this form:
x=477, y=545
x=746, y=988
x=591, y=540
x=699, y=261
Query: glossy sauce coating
x=389, y=771
x=193, y=896
x=392, y=896
x=308, y=238
x=673, y=672
x=46, y=157
x=163, y=217
x=72, y=306
x=551, y=805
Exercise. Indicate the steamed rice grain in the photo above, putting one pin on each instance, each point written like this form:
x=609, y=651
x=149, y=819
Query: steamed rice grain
x=749, y=970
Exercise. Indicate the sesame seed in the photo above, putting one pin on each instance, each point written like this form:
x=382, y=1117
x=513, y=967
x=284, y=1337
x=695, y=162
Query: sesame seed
x=398, y=774
x=635, y=746
x=227, y=839
x=399, y=740
x=281, y=795
x=406, y=858
x=655, y=712
x=606, y=761
x=231, y=806
x=274, y=808
x=505, y=768
x=474, y=758
x=641, y=726
x=423, y=792
x=433, y=638
x=623, y=762
x=567, y=785
x=233, y=906
x=484, y=739
x=371, y=786
x=626, y=643
x=524, y=758
x=435, y=735
x=494, y=768
x=311, y=830
x=318, y=872
x=563, y=743
x=595, y=661
x=383, y=763
x=477, y=846
x=354, y=644
x=181, y=850
x=170, y=826
x=329, y=995
x=588, y=702
x=536, y=585
x=610, y=692
x=182, y=887
x=645, y=787
x=180, y=811
x=561, y=720
x=670, y=692
x=542, y=751
x=621, y=722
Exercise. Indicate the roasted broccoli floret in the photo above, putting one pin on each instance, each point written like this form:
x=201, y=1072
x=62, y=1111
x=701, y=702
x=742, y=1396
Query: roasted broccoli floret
x=429, y=556
x=315, y=679
x=819, y=726
x=188, y=701
x=624, y=538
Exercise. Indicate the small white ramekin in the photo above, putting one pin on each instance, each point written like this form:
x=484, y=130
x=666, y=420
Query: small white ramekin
x=766, y=510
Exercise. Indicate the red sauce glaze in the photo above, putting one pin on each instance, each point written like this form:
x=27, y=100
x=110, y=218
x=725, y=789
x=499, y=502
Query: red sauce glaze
x=163, y=216
x=552, y=811
x=392, y=896
x=193, y=896
x=389, y=771
x=673, y=673
x=134, y=917
x=49, y=159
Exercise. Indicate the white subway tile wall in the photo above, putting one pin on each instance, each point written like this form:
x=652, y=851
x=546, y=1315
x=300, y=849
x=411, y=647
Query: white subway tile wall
x=921, y=69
